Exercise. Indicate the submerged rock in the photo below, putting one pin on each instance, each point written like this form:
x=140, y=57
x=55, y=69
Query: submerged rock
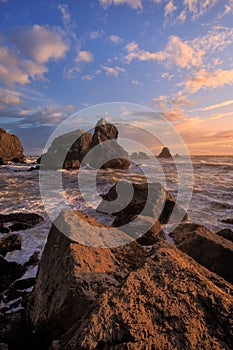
x=10, y=147
x=208, y=249
x=227, y=221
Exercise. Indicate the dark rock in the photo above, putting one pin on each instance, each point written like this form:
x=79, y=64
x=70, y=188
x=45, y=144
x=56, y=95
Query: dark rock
x=134, y=155
x=33, y=260
x=34, y=168
x=13, y=330
x=9, y=243
x=165, y=153
x=154, y=235
x=107, y=153
x=226, y=233
x=4, y=229
x=21, y=221
x=68, y=151
x=10, y=147
x=143, y=155
x=38, y=160
x=15, y=160
x=3, y=346
x=9, y=272
x=160, y=205
x=1, y=161
x=13, y=294
x=24, y=283
x=118, y=163
x=227, y=221
x=66, y=148
x=208, y=249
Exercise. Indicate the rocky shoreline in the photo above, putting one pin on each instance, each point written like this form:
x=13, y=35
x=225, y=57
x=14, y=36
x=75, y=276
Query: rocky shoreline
x=170, y=296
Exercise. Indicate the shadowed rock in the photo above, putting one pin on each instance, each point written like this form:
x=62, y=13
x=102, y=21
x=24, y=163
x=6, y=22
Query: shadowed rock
x=165, y=153
x=208, y=249
x=10, y=243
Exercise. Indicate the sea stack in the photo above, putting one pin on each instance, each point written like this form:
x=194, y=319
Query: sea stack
x=165, y=153
x=11, y=148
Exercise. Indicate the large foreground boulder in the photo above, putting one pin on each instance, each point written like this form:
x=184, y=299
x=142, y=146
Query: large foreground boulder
x=208, y=249
x=126, y=298
x=10, y=147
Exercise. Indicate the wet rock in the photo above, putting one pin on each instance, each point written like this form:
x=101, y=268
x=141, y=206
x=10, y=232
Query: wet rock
x=4, y=229
x=9, y=272
x=13, y=330
x=160, y=204
x=24, y=283
x=33, y=260
x=165, y=153
x=10, y=147
x=21, y=221
x=1, y=161
x=34, y=168
x=226, y=233
x=208, y=249
x=9, y=243
x=227, y=221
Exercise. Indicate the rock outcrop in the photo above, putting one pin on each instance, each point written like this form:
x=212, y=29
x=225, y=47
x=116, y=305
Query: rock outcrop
x=19, y=221
x=165, y=153
x=208, y=249
x=126, y=298
x=160, y=204
x=8, y=243
x=9, y=272
x=10, y=147
x=226, y=233
x=139, y=155
x=68, y=151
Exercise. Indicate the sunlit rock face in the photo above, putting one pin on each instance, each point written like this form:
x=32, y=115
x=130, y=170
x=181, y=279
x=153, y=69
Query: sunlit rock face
x=127, y=298
x=11, y=148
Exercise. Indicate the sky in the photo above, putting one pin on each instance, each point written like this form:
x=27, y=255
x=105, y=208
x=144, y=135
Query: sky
x=174, y=56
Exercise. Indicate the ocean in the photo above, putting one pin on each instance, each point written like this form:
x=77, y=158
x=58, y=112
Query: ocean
x=212, y=197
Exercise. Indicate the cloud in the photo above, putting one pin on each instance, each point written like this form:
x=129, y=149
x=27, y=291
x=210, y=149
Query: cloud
x=198, y=7
x=176, y=52
x=214, y=106
x=95, y=34
x=88, y=77
x=66, y=18
x=115, y=39
x=169, y=8
x=136, y=82
x=9, y=98
x=84, y=56
x=40, y=43
x=13, y=69
x=114, y=71
x=134, y=4
x=206, y=79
